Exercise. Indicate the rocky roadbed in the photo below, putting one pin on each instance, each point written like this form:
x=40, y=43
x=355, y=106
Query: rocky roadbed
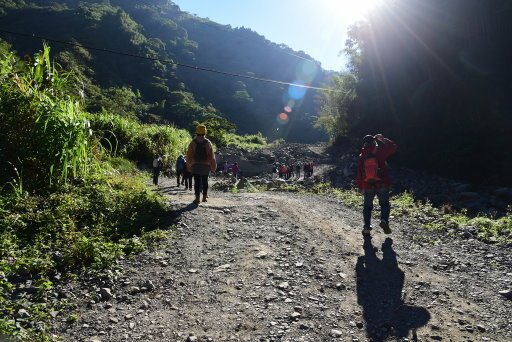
x=273, y=266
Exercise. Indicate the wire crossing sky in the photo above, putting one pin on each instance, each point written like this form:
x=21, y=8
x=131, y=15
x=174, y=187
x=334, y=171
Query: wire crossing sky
x=167, y=61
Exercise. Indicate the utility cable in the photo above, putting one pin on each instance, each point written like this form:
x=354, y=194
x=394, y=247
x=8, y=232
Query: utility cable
x=166, y=61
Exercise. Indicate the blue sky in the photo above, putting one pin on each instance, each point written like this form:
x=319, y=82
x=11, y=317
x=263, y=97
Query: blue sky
x=317, y=27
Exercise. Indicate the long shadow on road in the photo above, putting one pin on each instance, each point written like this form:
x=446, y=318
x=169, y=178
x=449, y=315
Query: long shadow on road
x=379, y=292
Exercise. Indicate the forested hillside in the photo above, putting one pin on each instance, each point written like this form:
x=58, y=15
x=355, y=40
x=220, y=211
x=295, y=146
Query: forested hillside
x=153, y=90
x=435, y=76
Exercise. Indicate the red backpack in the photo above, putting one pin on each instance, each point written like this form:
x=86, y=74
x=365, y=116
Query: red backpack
x=371, y=167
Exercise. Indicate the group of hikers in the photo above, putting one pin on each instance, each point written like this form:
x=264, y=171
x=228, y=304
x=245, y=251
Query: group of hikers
x=227, y=169
x=291, y=170
x=372, y=177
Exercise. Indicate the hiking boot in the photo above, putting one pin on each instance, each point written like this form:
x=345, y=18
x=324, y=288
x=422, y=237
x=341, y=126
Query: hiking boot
x=385, y=227
x=196, y=201
x=367, y=231
x=204, y=198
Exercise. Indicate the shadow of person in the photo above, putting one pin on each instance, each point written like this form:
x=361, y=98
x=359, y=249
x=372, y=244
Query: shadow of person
x=379, y=292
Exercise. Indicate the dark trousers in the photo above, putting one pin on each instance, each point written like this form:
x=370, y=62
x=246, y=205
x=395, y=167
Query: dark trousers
x=156, y=173
x=188, y=180
x=201, y=184
x=385, y=207
x=178, y=174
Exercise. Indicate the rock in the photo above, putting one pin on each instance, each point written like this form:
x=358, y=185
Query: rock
x=298, y=309
x=135, y=289
x=191, y=338
x=131, y=325
x=113, y=320
x=105, y=293
x=148, y=284
x=295, y=315
x=506, y=293
x=283, y=285
x=222, y=268
x=192, y=270
x=336, y=333
x=261, y=255
x=22, y=313
x=144, y=305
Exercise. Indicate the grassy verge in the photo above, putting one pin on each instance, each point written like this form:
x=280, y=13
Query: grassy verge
x=73, y=228
x=70, y=198
x=405, y=206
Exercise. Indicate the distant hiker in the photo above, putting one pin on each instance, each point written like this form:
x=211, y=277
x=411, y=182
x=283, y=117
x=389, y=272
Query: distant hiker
x=157, y=167
x=306, y=170
x=235, y=169
x=373, y=178
x=187, y=177
x=289, y=172
x=180, y=168
x=225, y=169
x=281, y=171
x=297, y=169
x=200, y=161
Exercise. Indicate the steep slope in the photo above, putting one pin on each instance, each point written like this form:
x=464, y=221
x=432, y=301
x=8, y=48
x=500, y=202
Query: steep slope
x=159, y=29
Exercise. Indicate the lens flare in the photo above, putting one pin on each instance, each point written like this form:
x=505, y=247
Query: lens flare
x=295, y=92
x=288, y=109
x=282, y=118
x=306, y=71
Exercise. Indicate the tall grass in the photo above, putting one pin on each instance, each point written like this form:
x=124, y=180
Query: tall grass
x=69, y=198
x=139, y=142
x=45, y=133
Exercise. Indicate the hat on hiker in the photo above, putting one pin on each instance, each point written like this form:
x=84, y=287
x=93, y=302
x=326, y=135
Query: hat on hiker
x=201, y=129
x=368, y=139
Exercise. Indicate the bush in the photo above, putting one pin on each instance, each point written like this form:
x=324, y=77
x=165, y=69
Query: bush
x=45, y=133
x=139, y=142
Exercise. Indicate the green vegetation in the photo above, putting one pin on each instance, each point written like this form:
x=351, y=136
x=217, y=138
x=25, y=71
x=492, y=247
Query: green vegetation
x=71, y=198
x=162, y=92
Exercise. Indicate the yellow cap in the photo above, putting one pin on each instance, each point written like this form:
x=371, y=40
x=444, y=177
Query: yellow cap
x=201, y=129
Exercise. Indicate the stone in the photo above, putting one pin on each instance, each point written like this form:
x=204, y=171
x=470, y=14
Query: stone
x=222, y=268
x=261, y=255
x=148, y=284
x=105, y=293
x=295, y=315
x=506, y=293
x=134, y=289
x=22, y=313
x=191, y=338
x=336, y=333
x=283, y=285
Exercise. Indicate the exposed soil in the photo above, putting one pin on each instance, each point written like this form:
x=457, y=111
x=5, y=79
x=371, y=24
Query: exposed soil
x=273, y=266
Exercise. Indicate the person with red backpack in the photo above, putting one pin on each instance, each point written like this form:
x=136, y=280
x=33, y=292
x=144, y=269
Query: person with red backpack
x=200, y=161
x=373, y=179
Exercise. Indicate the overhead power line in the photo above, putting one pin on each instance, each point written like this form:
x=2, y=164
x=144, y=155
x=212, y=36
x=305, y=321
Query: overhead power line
x=166, y=61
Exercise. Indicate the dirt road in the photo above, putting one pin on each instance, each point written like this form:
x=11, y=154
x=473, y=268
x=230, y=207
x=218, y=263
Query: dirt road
x=275, y=266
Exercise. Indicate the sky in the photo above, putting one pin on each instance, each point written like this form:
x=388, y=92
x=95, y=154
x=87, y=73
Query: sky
x=317, y=27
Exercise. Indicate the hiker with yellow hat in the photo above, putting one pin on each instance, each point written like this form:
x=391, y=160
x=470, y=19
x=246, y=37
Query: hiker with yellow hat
x=200, y=161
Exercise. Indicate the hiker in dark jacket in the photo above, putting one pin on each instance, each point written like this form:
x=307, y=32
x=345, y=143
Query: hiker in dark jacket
x=158, y=164
x=200, y=161
x=373, y=178
x=180, y=168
